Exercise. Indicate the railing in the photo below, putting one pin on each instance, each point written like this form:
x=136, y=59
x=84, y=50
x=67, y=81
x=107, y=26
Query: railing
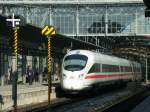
x=68, y=1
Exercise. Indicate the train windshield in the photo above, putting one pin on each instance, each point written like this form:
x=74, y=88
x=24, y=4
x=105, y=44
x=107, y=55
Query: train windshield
x=75, y=62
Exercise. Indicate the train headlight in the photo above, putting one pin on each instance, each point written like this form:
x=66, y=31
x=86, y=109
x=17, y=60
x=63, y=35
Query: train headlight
x=81, y=76
x=64, y=76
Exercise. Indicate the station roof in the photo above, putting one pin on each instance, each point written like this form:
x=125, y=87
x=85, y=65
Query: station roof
x=68, y=1
x=30, y=37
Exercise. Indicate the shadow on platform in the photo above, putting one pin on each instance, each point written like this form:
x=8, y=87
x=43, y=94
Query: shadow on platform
x=1, y=99
x=1, y=102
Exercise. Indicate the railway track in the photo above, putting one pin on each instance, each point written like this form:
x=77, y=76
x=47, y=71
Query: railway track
x=128, y=103
x=91, y=103
x=41, y=107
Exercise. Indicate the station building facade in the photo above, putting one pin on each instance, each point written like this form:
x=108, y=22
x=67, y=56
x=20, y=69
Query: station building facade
x=97, y=22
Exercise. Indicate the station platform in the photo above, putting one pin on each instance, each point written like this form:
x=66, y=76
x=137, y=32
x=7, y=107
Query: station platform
x=143, y=106
x=26, y=94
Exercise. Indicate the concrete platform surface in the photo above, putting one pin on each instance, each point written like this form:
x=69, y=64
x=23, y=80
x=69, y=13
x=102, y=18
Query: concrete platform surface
x=26, y=94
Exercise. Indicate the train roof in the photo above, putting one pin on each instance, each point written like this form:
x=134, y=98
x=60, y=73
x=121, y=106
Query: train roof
x=88, y=52
x=112, y=59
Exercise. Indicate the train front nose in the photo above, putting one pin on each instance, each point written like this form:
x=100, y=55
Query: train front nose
x=72, y=82
x=72, y=85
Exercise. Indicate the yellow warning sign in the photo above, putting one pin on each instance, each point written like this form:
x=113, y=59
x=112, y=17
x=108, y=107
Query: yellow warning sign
x=48, y=31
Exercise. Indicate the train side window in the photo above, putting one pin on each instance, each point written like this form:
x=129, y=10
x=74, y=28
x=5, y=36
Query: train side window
x=110, y=68
x=95, y=68
x=105, y=68
x=122, y=70
x=126, y=69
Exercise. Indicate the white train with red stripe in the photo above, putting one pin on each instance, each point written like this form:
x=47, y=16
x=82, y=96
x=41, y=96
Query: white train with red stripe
x=83, y=69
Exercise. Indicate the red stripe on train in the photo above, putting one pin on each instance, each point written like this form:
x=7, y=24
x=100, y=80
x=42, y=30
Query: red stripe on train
x=104, y=76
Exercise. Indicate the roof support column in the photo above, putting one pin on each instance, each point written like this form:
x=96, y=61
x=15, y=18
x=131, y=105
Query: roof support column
x=96, y=41
x=106, y=21
x=77, y=20
x=50, y=16
x=1, y=10
x=136, y=17
x=86, y=39
x=46, y=15
x=27, y=15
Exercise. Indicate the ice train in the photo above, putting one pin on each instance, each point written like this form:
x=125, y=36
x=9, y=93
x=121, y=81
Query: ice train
x=83, y=70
